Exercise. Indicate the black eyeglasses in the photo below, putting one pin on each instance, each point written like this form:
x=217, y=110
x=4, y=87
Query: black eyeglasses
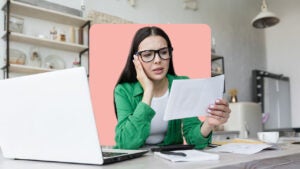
x=149, y=55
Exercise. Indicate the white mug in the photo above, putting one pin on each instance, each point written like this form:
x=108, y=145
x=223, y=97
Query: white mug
x=268, y=137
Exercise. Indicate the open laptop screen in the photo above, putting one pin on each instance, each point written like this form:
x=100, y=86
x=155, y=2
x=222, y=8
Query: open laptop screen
x=49, y=117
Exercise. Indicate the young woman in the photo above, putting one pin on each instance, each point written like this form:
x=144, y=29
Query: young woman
x=142, y=92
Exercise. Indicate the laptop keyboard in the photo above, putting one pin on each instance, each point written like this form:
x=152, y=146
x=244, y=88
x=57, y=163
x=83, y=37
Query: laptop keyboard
x=111, y=154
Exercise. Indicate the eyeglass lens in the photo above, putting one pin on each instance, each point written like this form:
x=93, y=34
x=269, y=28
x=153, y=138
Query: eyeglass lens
x=148, y=55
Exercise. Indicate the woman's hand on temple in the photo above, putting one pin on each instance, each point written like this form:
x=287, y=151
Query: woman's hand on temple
x=146, y=83
x=141, y=76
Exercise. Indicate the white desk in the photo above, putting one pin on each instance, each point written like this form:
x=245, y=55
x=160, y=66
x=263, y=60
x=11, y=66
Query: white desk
x=150, y=161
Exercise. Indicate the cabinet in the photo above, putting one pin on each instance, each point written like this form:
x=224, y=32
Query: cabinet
x=217, y=65
x=224, y=135
x=245, y=117
x=272, y=92
x=31, y=11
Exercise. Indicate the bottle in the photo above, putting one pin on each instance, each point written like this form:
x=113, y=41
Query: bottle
x=76, y=35
x=72, y=34
x=35, y=58
x=53, y=33
x=80, y=36
x=62, y=36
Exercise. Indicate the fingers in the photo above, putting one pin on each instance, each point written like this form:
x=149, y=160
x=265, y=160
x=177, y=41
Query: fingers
x=141, y=75
x=220, y=105
x=220, y=116
x=219, y=112
x=137, y=63
x=221, y=102
x=219, y=108
x=138, y=67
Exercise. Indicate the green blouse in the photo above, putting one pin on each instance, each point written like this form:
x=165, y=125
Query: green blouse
x=134, y=119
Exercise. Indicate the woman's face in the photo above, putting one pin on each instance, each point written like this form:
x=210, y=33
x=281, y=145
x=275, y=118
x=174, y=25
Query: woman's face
x=157, y=68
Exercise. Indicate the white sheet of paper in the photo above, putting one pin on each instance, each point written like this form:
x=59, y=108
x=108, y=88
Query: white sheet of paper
x=240, y=148
x=191, y=97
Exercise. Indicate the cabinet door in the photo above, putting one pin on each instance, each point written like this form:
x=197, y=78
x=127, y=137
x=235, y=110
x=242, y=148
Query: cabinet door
x=277, y=103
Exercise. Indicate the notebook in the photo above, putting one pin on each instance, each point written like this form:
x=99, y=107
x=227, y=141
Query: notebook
x=49, y=117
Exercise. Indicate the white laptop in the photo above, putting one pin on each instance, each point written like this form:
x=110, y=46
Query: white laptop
x=49, y=117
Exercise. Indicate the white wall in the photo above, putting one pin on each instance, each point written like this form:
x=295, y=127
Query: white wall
x=283, y=48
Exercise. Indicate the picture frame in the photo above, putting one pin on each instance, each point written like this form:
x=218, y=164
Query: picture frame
x=217, y=65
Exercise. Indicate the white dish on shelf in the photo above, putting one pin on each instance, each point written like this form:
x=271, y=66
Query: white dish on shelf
x=54, y=62
x=16, y=24
x=41, y=36
x=17, y=57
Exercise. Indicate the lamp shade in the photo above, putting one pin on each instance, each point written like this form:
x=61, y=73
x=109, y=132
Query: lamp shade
x=265, y=18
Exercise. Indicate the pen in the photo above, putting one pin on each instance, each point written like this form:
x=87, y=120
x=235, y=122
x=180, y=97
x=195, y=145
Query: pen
x=172, y=148
x=174, y=153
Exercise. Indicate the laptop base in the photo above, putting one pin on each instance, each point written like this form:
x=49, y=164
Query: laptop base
x=123, y=157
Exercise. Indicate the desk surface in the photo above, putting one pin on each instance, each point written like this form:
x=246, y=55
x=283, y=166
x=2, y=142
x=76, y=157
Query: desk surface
x=150, y=161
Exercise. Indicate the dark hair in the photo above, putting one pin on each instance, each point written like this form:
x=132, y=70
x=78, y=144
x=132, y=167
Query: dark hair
x=129, y=73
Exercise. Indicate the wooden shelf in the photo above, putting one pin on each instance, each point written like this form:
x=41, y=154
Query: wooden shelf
x=18, y=37
x=215, y=57
x=20, y=8
x=215, y=74
x=32, y=11
x=27, y=69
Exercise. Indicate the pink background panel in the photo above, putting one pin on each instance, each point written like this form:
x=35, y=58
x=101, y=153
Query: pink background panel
x=109, y=48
